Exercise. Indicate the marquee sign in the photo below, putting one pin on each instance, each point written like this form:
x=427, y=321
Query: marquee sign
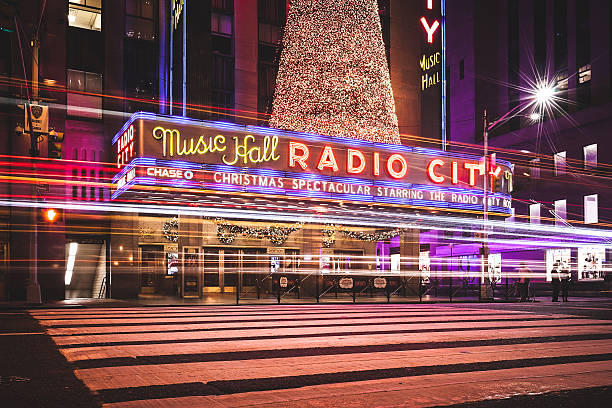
x=199, y=155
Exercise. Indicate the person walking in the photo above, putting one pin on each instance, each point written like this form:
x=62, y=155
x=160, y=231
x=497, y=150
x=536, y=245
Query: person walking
x=556, y=281
x=524, y=275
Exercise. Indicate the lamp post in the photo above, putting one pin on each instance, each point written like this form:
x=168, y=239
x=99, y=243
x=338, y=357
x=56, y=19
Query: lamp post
x=541, y=97
x=485, y=290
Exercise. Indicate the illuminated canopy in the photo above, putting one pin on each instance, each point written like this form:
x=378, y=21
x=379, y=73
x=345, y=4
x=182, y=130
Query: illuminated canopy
x=154, y=151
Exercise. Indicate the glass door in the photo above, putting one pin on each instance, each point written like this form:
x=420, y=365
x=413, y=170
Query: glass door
x=152, y=268
x=232, y=266
x=213, y=265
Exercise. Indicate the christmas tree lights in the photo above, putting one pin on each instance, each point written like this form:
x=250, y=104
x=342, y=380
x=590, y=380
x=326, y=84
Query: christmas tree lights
x=333, y=76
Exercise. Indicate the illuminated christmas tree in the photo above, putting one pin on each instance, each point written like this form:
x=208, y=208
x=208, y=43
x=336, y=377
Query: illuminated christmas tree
x=333, y=76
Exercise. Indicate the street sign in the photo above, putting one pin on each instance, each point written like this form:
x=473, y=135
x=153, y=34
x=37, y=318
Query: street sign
x=380, y=283
x=40, y=118
x=346, y=283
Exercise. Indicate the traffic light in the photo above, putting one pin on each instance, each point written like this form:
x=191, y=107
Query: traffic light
x=50, y=215
x=55, y=144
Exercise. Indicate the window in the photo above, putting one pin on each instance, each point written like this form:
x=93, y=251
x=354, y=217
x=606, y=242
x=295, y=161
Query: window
x=273, y=11
x=269, y=33
x=560, y=163
x=223, y=72
x=584, y=74
x=221, y=24
x=534, y=213
x=590, y=156
x=140, y=73
x=83, y=187
x=560, y=212
x=223, y=100
x=140, y=19
x=222, y=61
x=461, y=69
x=84, y=81
x=141, y=8
x=87, y=103
x=561, y=85
x=92, y=189
x=561, y=81
x=85, y=14
x=590, y=209
x=225, y=5
x=534, y=168
x=74, y=178
x=267, y=79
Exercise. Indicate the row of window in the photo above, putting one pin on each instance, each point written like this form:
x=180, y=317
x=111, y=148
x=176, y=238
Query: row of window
x=86, y=181
x=590, y=209
x=139, y=20
x=560, y=162
x=589, y=159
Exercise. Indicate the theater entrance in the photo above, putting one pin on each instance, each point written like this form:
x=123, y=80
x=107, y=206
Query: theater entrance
x=159, y=270
x=229, y=269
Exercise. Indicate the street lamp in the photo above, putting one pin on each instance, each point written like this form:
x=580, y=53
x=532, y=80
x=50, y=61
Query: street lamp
x=535, y=116
x=543, y=94
x=541, y=97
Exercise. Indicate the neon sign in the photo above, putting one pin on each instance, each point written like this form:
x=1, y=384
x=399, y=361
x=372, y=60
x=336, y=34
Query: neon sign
x=125, y=147
x=207, y=156
x=253, y=154
x=244, y=152
x=177, y=9
x=428, y=64
x=430, y=30
x=169, y=173
x=172, y=137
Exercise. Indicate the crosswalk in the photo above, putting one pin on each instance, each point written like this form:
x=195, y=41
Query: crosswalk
x=327, y=355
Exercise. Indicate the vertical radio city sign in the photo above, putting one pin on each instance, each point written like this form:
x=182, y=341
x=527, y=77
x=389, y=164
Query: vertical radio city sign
x=430, y=61
x=153, y=150
x=432, y=70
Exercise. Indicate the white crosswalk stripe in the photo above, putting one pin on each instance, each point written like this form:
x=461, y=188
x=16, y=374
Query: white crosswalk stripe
x=329, y=355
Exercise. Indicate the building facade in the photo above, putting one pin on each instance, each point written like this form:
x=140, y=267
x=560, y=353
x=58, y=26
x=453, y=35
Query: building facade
x=498, y=53
x=98, y=62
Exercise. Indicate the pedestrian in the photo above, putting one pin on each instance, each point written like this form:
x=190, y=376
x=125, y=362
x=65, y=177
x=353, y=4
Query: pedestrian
x=524, y=275
x=556, y=281
x=565, y=283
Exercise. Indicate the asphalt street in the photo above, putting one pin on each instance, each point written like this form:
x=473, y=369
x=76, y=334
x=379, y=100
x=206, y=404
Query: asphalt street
x=384, y=355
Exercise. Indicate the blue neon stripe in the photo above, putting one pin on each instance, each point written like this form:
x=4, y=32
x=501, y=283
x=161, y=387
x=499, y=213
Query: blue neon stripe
x=308, y=194
x=307, y=176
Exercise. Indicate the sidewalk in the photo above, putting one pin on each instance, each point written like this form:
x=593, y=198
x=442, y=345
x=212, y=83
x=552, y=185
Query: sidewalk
x=33, y=373
x=230, y=300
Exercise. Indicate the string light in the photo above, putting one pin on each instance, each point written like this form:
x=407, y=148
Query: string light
x=170, y=229
x=329, y=234
x=275, y=233
x=333, y=76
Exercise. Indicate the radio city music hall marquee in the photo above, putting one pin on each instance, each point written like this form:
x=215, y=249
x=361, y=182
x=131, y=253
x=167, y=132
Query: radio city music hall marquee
x=153, y=150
